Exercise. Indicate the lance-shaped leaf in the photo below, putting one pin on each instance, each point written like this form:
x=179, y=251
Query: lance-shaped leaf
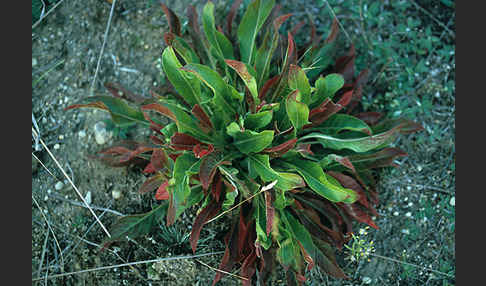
x=211, y=32
x=184, y=50
x=223, y=96
x=206, y=214
x=327, y=262
x=186, y=84
x=181, y=189
x=231, y=16
x=280, y=149
x=151, y=183
x=181, y=141
x=317, y=180
x=265, y=52
x=185, y=123
x=124, y=153
x=208, y=167
x=327, y=86
x=382, y=158
x=263, y=239
x=245, y=72
x=371, y=118
x=172, y=19
x=133, y=226
x=298, y=112
x=269, y=211
x=258, y=120
x=322, y=58
x=341, y=122
x=162, y=194
x=201, y=115
x=121, y=113
x=302, y=236
x=252, y=142
x=260, y=164
x=361, y=144
x=298, y=81
x=251, y=22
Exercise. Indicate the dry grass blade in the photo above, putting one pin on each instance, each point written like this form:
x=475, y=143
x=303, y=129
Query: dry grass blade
x=265, y=188
x=413, y=265
x=130, y=264
x=49, y=226
x=339, y=22
x=45, y=15
x=71, y=182
x=103, y=45
x=219, y=270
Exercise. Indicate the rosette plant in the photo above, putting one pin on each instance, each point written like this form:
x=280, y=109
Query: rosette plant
x=262, y=131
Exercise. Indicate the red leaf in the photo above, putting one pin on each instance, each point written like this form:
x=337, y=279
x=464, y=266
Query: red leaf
x=206, y=214
x=217, y=187
x=159, y=159
x=162, y=193
x=124, y=153
x=248, y=268
x=151, y=184
x=279, y=21
x=204, y=121
x=267, y=85
x=291, y=55
x=160, y=109
x=345, y=98
x=281, y=149
x=269, y=211
x=230, y=255
x=199, y=152
x=117, y=90
x=207, y=170
x=231, y=16
x=297, y=28
x=370, y=118
x=172, y=19
x=169, y=38
x=181, y=141
x=334, y=32
x=355, y=211
x=324, y=111
x=149, y=169
x=345, y=65
x=304, y=149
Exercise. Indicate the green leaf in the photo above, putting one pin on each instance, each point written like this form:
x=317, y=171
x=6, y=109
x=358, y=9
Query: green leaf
x=186, y=84
x=317, y=180
x=298, y=112
x=361, y=144
x=261, y=222
x=185, y=123
x=121, y=113
x=298, y=81
x=185, y=50
x=260, y=164
x=246, y=73
x=326, y=87
x=225, y=45
x=133, y=226
x=265, y=52
x=252, y=142
x=211, y=32
x=258, y=120
x=340, y=122
x=223, y=93
x=181, y=175
x=251, y=22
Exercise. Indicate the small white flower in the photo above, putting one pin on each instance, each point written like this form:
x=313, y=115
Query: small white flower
x=409, y=214
x=396, y=213
x=405, y=231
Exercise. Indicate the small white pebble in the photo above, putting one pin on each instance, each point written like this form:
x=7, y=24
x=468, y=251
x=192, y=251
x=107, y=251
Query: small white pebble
x=452, y=202
x=405, y=199
x=409, y=188
x=410, y=204
x=44, y=120
x=405, y=231
x=82, y=134
x=367, y=280
x=59, y=186
x=396, y=213
x=34, y=62
x=419, y=168
x=87, y=198
x=116, y=194
x=45, y=211
x=408, y=214
x=46, y=198
x=49, y=191
x=57, y=146
x=61, y=137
